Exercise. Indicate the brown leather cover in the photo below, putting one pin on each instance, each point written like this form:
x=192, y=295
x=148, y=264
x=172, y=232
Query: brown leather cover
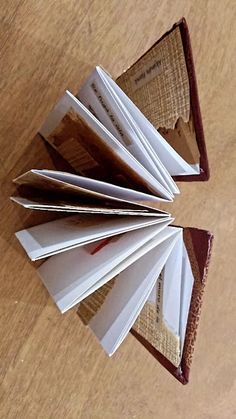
x=195, y=112
x=198, y=244
x=195, y=106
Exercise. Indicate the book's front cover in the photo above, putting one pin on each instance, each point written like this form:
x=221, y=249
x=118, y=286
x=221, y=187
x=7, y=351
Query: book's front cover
x=162, y=83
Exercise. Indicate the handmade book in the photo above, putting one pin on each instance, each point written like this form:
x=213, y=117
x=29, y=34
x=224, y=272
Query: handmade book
x=114, y=252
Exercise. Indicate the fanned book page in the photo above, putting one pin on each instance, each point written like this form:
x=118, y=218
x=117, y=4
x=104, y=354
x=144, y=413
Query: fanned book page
x=113, y=252
x=69, y=232
x=98, y=154
x=147, y=296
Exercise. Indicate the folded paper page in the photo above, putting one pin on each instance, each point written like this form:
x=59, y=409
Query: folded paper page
x=79, y=186
x=123, y=303
x=97, y=93
x=41, y=202
x=163, y=319
x=150, y=291
x=167, y=159
x=71, y=276
x=72, y=127
x=67, y=233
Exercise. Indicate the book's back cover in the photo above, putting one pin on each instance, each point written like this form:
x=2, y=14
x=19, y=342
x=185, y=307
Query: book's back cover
x=198, y=244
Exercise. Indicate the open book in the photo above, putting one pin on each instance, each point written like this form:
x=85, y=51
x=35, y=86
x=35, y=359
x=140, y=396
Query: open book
x=117, y=256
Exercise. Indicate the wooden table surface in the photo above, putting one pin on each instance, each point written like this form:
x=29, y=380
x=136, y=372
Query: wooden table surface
x=50, y=365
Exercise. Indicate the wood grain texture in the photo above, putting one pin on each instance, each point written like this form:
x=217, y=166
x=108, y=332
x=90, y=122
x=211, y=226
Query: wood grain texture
x=50, y=365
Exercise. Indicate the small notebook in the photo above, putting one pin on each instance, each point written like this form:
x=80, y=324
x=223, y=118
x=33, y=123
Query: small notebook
x=115, y=253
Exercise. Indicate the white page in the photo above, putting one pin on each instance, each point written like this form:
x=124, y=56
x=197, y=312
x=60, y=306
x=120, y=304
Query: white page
x=171, y=160
x=69, y=101
x=186, y=293
x=182, y=309
x=165, y=234
x=99, y=188
x=97, y=94
x=177, y=291
x=71, y=274
x=88, y=272
x=130, y=111
x=134, y=315
x=172, y=279
x=133, y=288
x=83, y=209
x=113, y=338
x=53, y=237
x=128, y=296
